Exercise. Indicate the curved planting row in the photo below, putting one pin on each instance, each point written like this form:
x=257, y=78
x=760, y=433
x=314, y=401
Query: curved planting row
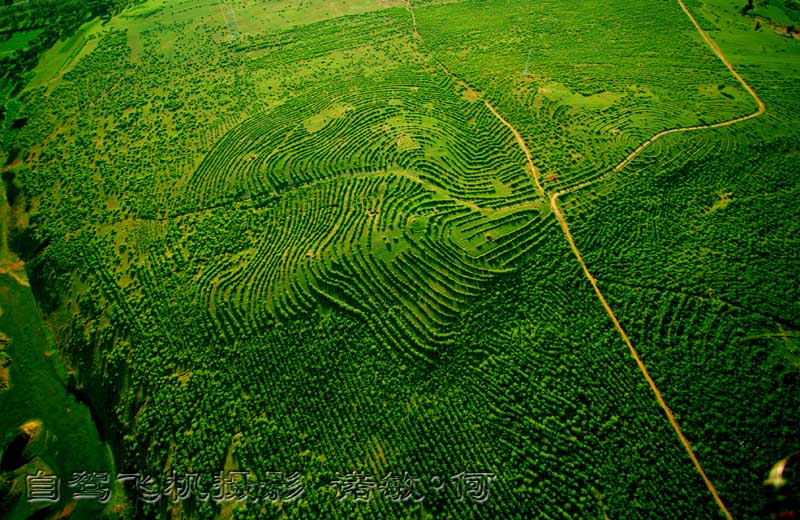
x=332, y=243
x=378, y=244
x=425, y=128
x=586, y=88
x=395, y=198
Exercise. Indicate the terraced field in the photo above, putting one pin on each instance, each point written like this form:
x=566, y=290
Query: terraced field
x=554, y=243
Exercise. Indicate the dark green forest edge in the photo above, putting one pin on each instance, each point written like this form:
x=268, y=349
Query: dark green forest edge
x=782, y=16
x=291, y=236
x=29, y=28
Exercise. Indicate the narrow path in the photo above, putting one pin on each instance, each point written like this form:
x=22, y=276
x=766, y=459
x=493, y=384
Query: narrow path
x=565, y=228
x=534, y=172
x=715, y=48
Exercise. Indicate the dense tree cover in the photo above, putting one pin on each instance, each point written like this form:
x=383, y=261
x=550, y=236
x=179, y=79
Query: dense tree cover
x=696, y=247
x=311, y=248
x=695, y=285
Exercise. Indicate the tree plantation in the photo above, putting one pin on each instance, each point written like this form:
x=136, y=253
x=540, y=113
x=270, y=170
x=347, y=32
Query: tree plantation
x=506, y=259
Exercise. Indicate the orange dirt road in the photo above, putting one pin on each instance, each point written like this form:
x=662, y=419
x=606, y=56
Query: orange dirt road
x=565, y=228
x=534, y=173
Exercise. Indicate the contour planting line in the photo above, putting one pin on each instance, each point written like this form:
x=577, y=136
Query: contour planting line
x=715, y=48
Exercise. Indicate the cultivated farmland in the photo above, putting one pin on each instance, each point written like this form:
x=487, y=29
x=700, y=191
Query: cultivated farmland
x=553, y=244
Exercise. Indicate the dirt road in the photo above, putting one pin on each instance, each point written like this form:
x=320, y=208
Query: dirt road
x=535, y=175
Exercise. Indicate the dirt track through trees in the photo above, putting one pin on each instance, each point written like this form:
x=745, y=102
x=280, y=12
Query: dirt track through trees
x=565, y=228
x=534, y=172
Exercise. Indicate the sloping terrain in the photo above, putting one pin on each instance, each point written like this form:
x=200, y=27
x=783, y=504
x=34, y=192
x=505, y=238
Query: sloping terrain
x=298, y=236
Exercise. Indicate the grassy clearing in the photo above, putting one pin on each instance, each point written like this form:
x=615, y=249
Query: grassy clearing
x=65, y=54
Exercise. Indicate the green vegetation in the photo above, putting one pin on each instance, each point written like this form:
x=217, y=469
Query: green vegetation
x=68, y=440
x=783, y=15
x=303, y=236
x=29, y=28
x=18, y=40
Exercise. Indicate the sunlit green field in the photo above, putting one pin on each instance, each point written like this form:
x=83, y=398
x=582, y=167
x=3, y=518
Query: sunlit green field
x=305, y=236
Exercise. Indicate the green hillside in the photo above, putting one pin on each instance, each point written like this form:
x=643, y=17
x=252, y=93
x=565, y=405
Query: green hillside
x=436, y=259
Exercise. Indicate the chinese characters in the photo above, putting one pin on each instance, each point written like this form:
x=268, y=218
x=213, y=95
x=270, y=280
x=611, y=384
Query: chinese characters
x=242, y=486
